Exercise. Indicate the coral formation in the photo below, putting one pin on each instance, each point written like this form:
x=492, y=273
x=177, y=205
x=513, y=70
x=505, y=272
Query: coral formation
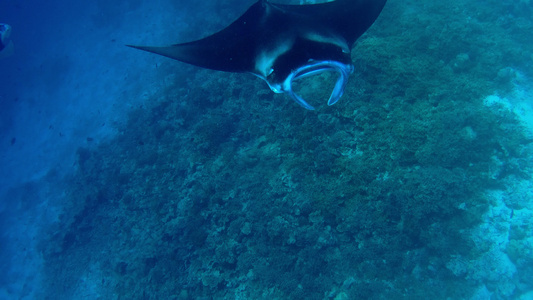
x=220, y=190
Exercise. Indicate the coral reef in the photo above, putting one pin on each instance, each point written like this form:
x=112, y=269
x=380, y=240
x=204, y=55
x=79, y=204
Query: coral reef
x=221, y=190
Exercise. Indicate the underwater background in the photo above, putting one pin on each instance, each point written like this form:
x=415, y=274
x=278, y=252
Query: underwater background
x=125, y=175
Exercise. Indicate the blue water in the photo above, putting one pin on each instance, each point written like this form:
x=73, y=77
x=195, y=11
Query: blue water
x=125, y=175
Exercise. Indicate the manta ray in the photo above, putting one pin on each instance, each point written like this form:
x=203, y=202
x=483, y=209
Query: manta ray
x=283, y=43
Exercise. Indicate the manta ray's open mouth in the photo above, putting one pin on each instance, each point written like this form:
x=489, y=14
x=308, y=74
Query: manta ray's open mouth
x=314, y=68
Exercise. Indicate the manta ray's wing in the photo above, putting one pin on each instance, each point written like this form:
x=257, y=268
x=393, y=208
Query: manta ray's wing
x=232, y=49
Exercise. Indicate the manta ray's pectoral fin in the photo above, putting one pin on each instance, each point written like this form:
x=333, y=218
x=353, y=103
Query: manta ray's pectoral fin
x=232, y=49
x=192, y=53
